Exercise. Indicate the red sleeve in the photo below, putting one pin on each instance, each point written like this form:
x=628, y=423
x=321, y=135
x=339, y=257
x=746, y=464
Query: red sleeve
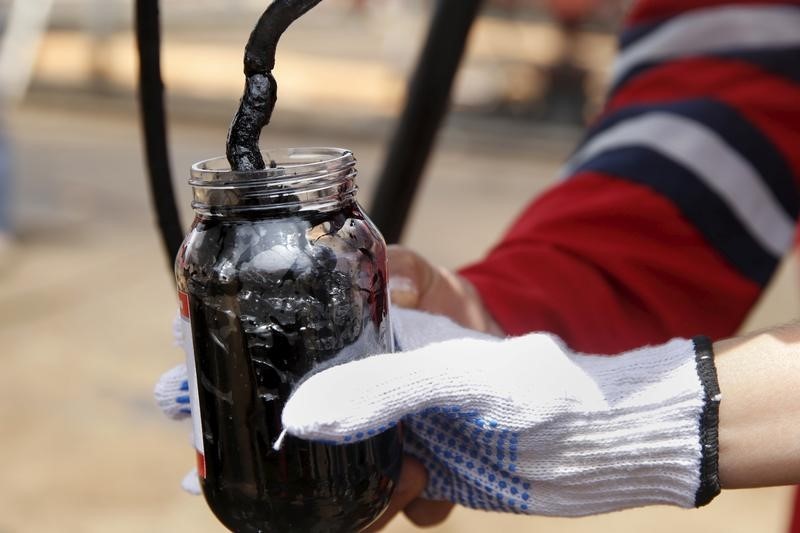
x=679, y=204
x=578, y=263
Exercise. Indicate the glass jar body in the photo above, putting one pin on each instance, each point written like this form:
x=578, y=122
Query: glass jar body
x=273, y=297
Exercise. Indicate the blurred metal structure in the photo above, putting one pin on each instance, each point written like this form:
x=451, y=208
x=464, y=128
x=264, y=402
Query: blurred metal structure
x=427, y=102
x=27, y=21
x=101, y=27
x=154, y=126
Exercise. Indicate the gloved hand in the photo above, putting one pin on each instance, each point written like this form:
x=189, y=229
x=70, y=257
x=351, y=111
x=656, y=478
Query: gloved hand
x=525, y=425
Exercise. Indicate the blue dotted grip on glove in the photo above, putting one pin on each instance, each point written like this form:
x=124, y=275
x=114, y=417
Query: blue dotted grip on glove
x=172, y=393
x=470, y=460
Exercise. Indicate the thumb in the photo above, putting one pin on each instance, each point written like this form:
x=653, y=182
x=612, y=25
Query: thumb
x=410, y=276
x=357, y=400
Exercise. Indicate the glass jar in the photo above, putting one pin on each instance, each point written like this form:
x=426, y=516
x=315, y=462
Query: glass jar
x=282, y=275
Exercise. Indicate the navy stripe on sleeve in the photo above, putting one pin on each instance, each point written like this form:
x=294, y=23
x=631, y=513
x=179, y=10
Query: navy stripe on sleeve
x=737, y=133
x=699, y=204
x=783, y=62
x=632, y=35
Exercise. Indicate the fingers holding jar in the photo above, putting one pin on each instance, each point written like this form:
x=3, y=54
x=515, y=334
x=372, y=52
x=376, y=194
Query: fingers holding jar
x=417, y=284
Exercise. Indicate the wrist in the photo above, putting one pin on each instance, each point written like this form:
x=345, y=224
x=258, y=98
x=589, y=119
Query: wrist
x=708, y=422
x=758, y=430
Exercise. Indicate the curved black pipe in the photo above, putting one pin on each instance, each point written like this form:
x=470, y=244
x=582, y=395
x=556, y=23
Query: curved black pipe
x=260, y=90
x=259, y=54
x=426, y=106
x=151, y=100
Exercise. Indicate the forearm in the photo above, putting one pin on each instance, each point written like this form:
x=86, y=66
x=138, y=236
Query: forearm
x=759, y=425
x=573, y=267
x=687, y=99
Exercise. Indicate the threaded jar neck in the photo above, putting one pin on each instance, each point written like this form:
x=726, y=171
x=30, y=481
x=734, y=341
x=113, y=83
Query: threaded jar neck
x=297, y=179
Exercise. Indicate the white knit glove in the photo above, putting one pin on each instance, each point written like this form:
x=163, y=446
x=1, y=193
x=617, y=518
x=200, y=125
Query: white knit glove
x=525, y=425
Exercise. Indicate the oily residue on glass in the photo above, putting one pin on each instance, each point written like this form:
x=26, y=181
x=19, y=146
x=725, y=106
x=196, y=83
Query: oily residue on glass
x=271, y=302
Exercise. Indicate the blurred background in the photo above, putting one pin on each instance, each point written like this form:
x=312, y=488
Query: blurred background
x=87, y=300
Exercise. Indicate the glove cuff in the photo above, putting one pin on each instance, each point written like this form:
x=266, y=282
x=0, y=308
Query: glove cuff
x=709, y=422
x=646, y=436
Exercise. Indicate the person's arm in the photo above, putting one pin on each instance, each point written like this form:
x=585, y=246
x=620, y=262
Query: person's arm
x=759, y=424
x=676, y=209
x=634, y=247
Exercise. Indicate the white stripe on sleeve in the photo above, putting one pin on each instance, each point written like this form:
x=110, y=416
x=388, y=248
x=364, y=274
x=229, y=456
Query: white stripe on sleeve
x=703, y=152
x=714, y=29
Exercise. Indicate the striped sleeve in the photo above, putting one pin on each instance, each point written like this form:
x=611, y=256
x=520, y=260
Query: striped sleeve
x=673, y=213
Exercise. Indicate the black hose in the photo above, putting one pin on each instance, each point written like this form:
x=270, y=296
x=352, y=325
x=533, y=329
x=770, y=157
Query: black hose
x=151, y=100
x=261, y=90
x=426, y=106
